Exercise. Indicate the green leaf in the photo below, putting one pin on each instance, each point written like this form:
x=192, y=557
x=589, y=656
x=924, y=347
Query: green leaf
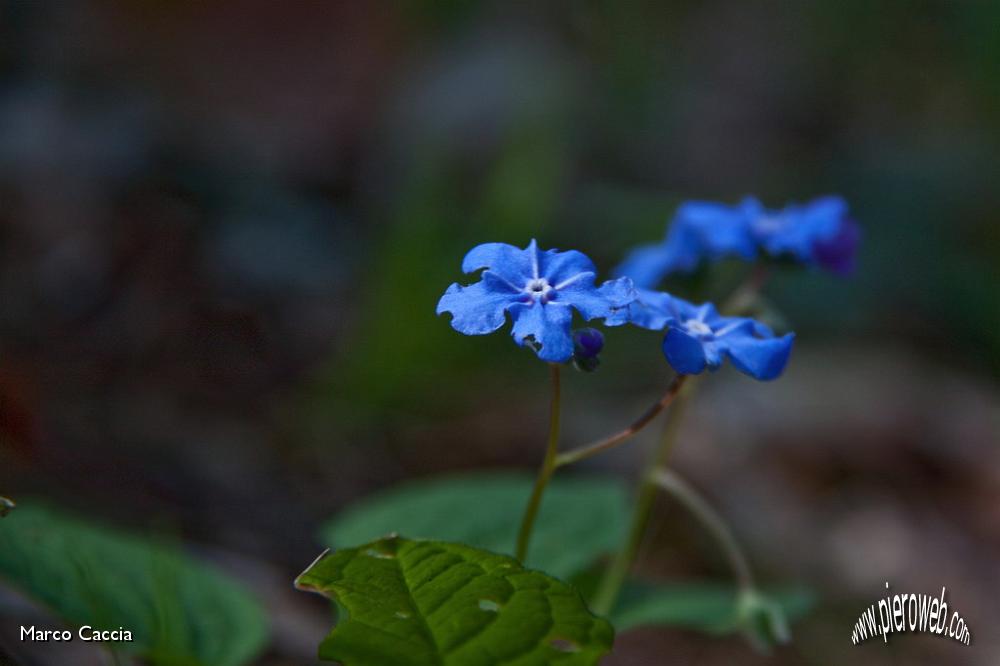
x=710, y=607
x=580, y=519
x=179, y=611
x=429, y=603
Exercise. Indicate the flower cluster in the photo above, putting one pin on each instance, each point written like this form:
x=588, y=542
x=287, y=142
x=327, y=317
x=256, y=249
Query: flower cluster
x=539, y=290
x=819, y=233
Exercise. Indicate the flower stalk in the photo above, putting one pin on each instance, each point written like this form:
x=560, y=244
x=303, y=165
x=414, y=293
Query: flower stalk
x=554, y=460
x=619, y=438
x=614, y=578
x=670, y=482
x=739, y=301
x=761, y=619
x=547, y=468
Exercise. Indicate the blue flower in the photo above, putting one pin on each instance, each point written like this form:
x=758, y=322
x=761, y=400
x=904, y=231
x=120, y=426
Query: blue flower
x=539, y=290
x=698, y=337
x=817, y=233
x=700, y=231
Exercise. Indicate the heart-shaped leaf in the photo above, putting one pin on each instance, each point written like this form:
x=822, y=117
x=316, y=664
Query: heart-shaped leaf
x=581, y=518
x=178, y=611
x=430, y=603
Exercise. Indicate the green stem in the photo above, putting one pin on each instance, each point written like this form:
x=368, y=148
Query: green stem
x=545, y=471
x=614, y=578
x=685, y=493
x=619, y=438
x=752, y=608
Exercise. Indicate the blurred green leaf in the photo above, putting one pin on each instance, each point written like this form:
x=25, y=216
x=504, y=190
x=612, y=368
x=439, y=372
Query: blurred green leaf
x=416, y=603
x=179, y=611
x=715, y=608
x=484, y=510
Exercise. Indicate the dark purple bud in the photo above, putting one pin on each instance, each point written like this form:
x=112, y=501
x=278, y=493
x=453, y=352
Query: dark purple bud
x=587, y=343
x=838, y=253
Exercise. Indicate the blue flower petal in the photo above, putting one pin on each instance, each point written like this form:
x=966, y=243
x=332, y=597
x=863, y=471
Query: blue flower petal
x=651, y=310
x=605, y=301
x=619, y=292
x=760, y=329
x=558, y=267
x=763, y=359
x=726, y=327
x=508, y=261
x=548, y=325
x=479, y=308
x=797, y=229
x=706, y=312
x=719, y=230
x=700, y=230
x=684, y=353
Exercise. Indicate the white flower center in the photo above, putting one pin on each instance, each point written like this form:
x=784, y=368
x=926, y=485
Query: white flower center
x=539, y=289
x=766, y=224
x=698, y=328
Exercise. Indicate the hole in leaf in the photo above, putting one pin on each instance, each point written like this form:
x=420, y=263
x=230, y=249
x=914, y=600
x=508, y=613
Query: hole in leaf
x=380, y=554
x=402, y=615
x=564, y=645
x=489, y=605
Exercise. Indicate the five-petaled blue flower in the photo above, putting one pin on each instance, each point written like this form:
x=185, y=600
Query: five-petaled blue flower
x=698, y=337
x=539, y=289
x=817, y=233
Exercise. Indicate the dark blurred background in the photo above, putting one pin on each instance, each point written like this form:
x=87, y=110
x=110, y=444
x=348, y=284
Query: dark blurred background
x=224, y=228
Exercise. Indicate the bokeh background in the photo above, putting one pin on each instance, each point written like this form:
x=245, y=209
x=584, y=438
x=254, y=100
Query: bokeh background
x=224, y=228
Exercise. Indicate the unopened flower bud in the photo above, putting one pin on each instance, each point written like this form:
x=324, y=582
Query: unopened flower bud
x=587, y=343
x=587, y=346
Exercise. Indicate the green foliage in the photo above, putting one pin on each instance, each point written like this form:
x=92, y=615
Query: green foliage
x=715, y=608
x=179, y=612
x=580, y=519
x=763, y=620
x=429, y=603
